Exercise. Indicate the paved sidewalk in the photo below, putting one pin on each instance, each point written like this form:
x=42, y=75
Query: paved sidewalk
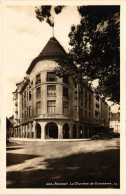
x=43, y=164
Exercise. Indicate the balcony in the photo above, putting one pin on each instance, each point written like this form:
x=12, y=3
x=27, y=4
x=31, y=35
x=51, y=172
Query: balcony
x=51, y=79
x=38, y=81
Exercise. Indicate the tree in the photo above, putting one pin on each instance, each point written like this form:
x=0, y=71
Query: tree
x=44, y=13
x=95, y=49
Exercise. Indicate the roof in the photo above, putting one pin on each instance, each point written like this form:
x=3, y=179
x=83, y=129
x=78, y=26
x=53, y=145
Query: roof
x=52, y=49
x=115, y=117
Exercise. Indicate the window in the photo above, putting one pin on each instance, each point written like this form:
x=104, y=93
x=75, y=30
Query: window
x=97, y=98
x=81, y=100
x=65, y=79
x=38, y=79
x=81, y=91
x=24, y=94
x=38, y=92
x=97, y=106
x=81, y=114
x=30, y=111
x=51, y=76
x=22, y=105
x=38, y=107
x=25, y=103
x=75, y=92
x=85, y=103
x=75, y=85
x=89, y=116
x=96, y=113
x=85, y=94
x=65, y=107
x=51, y=107
x=25, y=114
x=27, y=111
x=89, y=106
x=85, y=114
x=89, y=96
x=29, y=95
x=51, y=90
x=75, y=107
x=65, y=91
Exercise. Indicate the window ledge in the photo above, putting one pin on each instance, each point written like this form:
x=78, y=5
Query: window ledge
x=51, y=95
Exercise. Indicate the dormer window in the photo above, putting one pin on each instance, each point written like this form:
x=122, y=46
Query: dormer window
x=51, y=76
x=38, y=79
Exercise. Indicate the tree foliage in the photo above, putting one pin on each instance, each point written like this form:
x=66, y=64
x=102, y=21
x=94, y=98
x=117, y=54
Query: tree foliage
x=44, y=13
x=95, y=49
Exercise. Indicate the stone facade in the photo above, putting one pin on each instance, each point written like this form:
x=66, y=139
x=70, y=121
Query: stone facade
x=47, y=106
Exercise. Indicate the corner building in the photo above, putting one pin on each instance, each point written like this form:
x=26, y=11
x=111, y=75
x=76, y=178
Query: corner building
x=50, y=107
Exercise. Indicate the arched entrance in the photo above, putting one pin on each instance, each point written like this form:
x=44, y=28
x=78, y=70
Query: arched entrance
x=38, y=130
x=80, y=131
x=66, y=131
x=51, y=131
x=74, y=132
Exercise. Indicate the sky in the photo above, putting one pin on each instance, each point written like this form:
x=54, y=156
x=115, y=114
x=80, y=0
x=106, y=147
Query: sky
x=24, y=39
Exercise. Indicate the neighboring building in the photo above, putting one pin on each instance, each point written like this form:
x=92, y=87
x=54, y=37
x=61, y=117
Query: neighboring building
x=105, y=114
x=47, y=106
x=9, y=126
x=101, y=114
x=115, y=122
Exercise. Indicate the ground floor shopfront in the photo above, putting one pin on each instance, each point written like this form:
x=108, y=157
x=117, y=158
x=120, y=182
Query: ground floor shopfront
x=53, y=130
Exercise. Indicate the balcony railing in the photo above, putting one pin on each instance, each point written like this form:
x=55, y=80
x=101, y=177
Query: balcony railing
x=51, y=79
x=38, y=81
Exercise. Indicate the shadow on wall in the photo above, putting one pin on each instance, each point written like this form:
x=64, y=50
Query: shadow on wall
x=102, y=167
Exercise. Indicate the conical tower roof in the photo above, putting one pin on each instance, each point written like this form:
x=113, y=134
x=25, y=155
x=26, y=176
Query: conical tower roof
x=52, y=50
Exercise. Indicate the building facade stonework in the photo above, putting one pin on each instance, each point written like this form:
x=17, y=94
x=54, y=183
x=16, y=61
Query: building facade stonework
x=49, y=107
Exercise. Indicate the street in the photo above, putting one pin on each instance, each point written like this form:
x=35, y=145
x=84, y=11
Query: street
x=66, y=164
